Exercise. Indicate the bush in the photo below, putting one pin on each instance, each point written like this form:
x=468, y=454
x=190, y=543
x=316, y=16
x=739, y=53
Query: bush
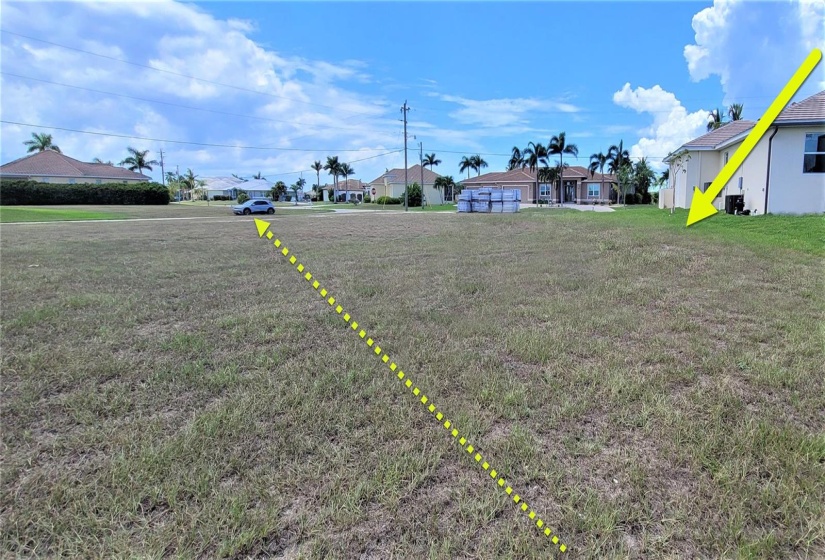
x=242, y=197
x=388, y=200
x=367, y=198
x=646, y=198
x=654, y=198
x=221, y=197
x=629, y=199
x=21, y=192
x=414, y=195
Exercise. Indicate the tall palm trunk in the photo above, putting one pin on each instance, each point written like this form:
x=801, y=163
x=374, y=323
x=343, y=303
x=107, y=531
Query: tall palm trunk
x=561, y=177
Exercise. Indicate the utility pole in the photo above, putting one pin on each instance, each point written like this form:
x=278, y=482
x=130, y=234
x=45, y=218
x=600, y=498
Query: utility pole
x=421, y=164
x=404, y=110
x=162, y=171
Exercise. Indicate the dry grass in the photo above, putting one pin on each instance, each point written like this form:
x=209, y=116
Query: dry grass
x=176, y=389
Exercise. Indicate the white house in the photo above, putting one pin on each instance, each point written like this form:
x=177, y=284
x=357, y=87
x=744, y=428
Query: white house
x=231, y=186
x=784, y=174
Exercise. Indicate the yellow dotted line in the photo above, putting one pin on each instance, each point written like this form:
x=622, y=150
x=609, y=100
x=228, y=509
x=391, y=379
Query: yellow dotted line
x=425, y=401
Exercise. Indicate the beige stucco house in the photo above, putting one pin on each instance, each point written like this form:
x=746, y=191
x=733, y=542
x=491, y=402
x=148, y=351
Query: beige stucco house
x=49, y=166
x=784, y=174
x=580, y=186
x=391, y=183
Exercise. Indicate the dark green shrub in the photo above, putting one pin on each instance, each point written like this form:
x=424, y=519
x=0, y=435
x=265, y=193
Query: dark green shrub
x=21, y=192
x=367, y=198
x=242, y=197
x=646, y=198
x=414, y=195
x=389, y=200
x=629, y=199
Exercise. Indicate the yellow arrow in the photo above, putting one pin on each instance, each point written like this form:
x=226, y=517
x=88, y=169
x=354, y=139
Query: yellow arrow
x=702, y=205
x=262, y=226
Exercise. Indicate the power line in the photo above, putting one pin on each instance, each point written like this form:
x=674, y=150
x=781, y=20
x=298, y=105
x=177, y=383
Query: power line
x=173, y=73
x=351, y=161
x=171, y=104
x=211, y=145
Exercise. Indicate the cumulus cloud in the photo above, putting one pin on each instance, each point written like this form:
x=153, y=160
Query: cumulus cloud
x=672, y=124
x=299, y=103
x=754, y=47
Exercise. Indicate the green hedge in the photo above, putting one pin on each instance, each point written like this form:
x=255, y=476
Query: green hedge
x=18, y=192
x=388, y=200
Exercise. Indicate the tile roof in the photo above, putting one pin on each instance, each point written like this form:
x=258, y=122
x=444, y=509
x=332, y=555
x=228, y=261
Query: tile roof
x=525, y=175
x=348, y=185
x=721, y=135
x=808, y=110
x=413, y=175
x=49, y=163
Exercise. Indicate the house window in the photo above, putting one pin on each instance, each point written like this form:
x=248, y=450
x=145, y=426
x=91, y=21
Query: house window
x=98, y=181
x=545, y=189
x=726, y=158
x=593, y=190
x=814, y=161
x=705, y=187
x=72, y=181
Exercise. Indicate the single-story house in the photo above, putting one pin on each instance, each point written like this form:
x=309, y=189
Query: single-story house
x=391, y=183
x=784, y=174
x=579, y=185
x=50, y=166
x=231, y=186
x=351, y=189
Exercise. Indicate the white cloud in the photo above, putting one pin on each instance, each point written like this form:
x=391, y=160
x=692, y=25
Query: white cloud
x=754, y=47
x=503, y=112
x=313, y=103
x=672, y=124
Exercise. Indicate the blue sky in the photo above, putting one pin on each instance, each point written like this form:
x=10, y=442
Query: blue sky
x=283, y=84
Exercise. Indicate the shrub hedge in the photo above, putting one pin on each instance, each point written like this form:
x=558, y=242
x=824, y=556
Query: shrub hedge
x=388, y=200
x=20, y=192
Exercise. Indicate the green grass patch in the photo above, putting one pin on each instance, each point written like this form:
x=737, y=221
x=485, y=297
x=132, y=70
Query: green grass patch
x=33, y=214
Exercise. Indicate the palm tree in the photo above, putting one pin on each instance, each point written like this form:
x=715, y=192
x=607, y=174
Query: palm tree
x=101, y=162
x=598, y=161
x=617, y=158
x=317, y=167
x=430, y=161
x=41, y=142
x=643, y=177
x=478, y=163
x=259, y=176
x=466, y=164
x=558, y=146
x=442, y=184
x=715, y=119
x=137, y=161
x=664, y=178
x=346, y=170
x=516, y=160
x=735, y=112
x=333, y=166
x=533, y=156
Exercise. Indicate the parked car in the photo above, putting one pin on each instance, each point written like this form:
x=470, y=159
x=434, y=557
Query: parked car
x=254, y=206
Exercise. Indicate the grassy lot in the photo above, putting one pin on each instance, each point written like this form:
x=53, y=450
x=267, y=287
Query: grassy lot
x=177, y=389
x=11, y=214
x=38, y=214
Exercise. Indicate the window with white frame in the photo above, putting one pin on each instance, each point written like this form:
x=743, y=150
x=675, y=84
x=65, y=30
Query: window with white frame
x=593, y=190
x=72, y=181
x=545, y=189
x=814, y=160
